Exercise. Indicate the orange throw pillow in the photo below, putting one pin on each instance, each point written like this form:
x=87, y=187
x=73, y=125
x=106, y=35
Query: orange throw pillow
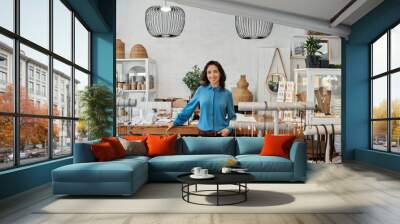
x=103, y=152
x=116, y=145
x=277, y=145
x=135, y=138
x=161, y=145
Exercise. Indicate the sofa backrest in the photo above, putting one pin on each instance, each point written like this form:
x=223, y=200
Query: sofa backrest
x=249, y=145
x=83, y=153
x=190, y=146
x=207, y=145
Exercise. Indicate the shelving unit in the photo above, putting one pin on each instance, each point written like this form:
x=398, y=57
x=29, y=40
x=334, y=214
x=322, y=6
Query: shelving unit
x=136, y=86
x=308, y=80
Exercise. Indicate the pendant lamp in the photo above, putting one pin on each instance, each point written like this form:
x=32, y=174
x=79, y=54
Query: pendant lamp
x=250, y=28
x=165, y=21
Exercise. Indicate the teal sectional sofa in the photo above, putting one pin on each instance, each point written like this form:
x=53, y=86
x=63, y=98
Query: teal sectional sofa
x=125, y=176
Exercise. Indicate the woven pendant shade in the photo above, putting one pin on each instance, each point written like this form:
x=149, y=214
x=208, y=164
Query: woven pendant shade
x=249, y=28
x=165, y=24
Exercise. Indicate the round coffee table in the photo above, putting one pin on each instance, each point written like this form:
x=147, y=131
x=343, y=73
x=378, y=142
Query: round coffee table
x=238, y=179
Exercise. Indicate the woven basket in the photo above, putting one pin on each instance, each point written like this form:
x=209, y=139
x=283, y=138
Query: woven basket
x=120, y=49
x=138, y=51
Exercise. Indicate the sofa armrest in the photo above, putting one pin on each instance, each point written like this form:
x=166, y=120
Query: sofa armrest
x=83, y=152
x=299, y=158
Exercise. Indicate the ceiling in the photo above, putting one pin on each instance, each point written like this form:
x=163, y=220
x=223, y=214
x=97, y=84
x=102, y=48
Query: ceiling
x=320, y=9
x=327, y=16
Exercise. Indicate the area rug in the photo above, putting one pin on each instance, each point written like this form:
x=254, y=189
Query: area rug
x=166, y=198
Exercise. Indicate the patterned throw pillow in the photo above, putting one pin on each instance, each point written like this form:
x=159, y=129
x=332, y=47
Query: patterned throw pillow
x=136, y=147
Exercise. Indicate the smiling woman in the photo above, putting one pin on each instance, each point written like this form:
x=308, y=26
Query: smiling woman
x=215, y=102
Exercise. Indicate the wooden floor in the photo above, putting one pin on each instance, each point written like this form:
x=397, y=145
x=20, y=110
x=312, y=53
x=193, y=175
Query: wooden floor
x=378, y=189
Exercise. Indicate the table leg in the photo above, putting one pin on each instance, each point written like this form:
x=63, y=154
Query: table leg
x=188, y=192
x=196, y=188
x=217, y=194
x=245, y=192
x=182, y=190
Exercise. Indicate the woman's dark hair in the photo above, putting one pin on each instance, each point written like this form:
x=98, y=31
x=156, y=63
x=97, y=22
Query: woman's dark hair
x=222, y=78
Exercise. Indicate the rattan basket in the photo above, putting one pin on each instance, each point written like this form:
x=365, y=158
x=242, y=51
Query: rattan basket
x=120, y=49
x=138, y=51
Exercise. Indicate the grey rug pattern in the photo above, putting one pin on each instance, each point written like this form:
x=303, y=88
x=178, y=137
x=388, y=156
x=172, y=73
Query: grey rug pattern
x=166, y=198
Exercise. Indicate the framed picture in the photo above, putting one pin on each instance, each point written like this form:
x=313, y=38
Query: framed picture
x=324, y=50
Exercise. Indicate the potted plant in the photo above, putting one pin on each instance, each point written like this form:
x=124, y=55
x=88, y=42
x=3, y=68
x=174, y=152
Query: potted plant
x=96, y=102
x=192, y=79
x=312, y=46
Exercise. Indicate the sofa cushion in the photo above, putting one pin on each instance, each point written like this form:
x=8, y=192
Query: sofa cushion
x=133, y=157
x=83, y=152
x=116, y=145
x=112, y=171
x=277, y=145
x=161, y=145
x=257, y=163
x=103, y=152
x=249, y=145
x=185, y=163
x=208, y=145
x=134, y=147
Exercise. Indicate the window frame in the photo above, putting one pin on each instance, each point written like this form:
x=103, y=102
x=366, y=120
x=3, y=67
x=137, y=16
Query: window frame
x=388, y=74
x=16, y=114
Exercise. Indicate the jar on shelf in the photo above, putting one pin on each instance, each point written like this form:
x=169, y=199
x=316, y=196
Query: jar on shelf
x=139, y=86
x=126, y=86
x=151, y=82
x=120, y=85
x=134, y=85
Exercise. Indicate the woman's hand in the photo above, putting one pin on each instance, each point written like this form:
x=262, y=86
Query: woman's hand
x=170, y=126
x=224, y=132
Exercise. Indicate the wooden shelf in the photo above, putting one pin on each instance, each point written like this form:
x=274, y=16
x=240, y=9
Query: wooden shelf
x=137, y=91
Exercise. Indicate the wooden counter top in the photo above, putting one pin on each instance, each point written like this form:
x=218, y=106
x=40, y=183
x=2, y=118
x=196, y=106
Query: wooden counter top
x=185, y=130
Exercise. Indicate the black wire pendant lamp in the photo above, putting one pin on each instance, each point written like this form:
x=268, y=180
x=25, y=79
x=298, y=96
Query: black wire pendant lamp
x=250, y=28
x=165, y=21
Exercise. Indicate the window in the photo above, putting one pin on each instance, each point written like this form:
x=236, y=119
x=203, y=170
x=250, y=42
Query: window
x=35, y=21
x=62, y=137
x=37, y=89
x=7, y=73
x=6, y=142
x=7, y=14
x=30, y=88
x=62, y=31
x=45, y=131
x=62, y=75
x=81, y=81
x=30, y=72
x=3, y=61
x=3, y=78
x=385, y=96
x=37, y=75
x=44, y=91
x=3, y=72
x=81, y=45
